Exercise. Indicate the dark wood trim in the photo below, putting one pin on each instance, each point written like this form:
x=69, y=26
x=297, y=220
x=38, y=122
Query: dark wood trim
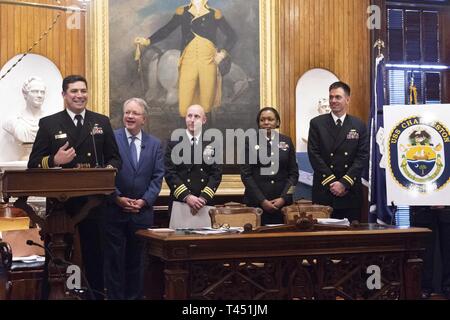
x=422, y=5
x=444, y=19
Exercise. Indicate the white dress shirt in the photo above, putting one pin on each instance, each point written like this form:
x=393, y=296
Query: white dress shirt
x=335, y=118
x=72, y=116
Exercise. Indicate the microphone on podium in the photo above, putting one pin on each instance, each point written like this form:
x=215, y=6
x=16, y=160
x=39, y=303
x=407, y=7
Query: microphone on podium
x=56, y=261
x=91, y=128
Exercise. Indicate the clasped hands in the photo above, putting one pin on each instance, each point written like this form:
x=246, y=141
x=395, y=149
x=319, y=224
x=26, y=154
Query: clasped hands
x=338, y=189
x=272, y=205
x=195, y=203
x=130, y=205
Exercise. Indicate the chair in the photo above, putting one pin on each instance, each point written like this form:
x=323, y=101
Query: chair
x=19, y=280
x=5, y=265
x=316, y=211
x=235, y=214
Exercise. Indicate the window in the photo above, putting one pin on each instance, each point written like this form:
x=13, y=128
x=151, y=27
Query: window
x=413, y=35
x=413, y=53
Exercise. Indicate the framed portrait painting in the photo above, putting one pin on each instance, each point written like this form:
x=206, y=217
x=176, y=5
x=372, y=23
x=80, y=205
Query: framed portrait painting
x=245, y=30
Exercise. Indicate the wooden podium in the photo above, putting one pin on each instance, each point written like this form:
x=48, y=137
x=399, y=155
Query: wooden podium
x=58, y=185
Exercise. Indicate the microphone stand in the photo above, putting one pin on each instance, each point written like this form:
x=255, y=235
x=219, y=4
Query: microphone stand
x=93, y=144
x=60, y=263
x=51, y=260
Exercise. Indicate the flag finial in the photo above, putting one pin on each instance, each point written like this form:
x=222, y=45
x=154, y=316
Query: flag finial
x=379, y=44
x=412, y=92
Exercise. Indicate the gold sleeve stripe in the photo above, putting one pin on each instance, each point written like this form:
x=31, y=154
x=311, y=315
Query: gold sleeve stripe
x=350, y=180
x=329, y=179
x=291, y=190
x=208, y=188
x=44, y=163
x=179, y=190
x=209, y=192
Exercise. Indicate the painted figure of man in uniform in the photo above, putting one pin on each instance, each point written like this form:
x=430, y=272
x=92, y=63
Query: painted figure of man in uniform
x=203, y=61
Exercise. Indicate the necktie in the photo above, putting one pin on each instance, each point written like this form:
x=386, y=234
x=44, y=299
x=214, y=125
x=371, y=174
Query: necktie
x=79, y=119
x=339, y=122
x=193, y=150
x=269, y=147
x=133, y=151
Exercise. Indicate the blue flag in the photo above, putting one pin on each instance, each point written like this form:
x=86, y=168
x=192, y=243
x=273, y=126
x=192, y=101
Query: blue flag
x=379, y=211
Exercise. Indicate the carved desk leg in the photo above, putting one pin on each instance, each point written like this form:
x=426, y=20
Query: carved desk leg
x=412, y=277
x=176, y=281
x=58, y=224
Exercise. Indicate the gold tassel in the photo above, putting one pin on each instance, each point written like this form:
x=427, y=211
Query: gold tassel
x=412, y=93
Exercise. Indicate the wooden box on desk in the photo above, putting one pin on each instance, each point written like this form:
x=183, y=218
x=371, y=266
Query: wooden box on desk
x=293, y=212
x=235, y=215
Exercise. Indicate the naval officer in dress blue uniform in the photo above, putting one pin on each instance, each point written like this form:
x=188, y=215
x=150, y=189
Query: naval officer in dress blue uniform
x=338, y=151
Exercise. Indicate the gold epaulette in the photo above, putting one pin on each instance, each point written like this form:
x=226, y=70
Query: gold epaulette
x=180, y=10
x=218, y=14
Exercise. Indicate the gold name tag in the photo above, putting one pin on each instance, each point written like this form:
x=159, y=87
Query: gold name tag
x=61, y=136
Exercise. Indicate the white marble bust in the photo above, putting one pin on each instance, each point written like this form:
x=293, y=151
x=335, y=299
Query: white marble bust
x=24, y=126
x=323, y=106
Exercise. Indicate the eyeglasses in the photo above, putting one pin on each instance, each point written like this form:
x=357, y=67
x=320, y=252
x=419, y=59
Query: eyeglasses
x=133, y=113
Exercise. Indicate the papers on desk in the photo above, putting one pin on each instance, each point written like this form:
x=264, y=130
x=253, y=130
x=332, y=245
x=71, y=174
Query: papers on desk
x=207, y=231
x=29, y=259
x=340, y=222
x=181, y=216
x=161, y=230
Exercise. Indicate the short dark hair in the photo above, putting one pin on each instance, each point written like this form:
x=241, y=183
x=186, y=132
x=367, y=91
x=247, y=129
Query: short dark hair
x=275, y=112
x=72, y=79
x=340, y=84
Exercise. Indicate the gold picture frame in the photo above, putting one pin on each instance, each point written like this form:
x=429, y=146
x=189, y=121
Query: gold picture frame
x=97, y=68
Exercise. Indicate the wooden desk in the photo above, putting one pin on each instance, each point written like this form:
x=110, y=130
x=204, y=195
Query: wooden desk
x=291, y=265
